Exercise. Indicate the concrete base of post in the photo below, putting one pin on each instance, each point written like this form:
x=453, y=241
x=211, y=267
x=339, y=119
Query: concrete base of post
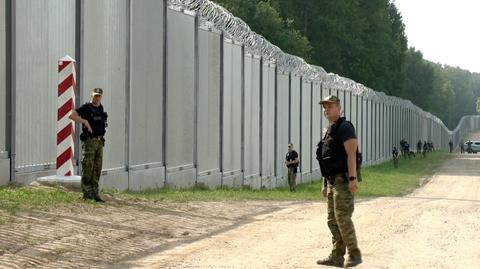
x=72, y=182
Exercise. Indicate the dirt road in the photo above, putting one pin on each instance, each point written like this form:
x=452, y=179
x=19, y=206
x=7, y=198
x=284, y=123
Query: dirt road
x=437, y=226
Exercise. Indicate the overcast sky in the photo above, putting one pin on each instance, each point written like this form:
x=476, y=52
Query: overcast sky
x=446, y=31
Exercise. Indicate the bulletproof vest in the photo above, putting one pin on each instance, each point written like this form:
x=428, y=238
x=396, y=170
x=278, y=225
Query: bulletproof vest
x=98, y=121
x=331, y=153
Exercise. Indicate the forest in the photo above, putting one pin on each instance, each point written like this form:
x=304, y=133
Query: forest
x=363, y=40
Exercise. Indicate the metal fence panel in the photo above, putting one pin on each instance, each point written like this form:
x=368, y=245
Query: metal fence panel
x=295, y=116
x=324, y=121
x=146, y=91
x=348, y=106
x=208, y=141
x=3, y=69
x=268, y=122
x=316, y=122
x=377, y=126
x=282, y=109
x=252, y=116
x=105, y=40
x=306, y=129
x=180, y=89
x=46, y=36
x=232, y=108
x=353, y=117
x=363, y=102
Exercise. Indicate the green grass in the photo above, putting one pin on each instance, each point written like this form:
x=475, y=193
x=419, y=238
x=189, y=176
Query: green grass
x=378, y=180
x=384, y=180
x=13, y=199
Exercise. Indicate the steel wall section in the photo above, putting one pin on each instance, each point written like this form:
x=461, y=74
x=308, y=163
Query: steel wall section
x=295, y=106
x=252, y=117
x=306, y=130
x=3, y=82
x=316, y=122
x=376, y=126
x=4, y=155
x=353, y=118
x=232, y=109
x=146, y=83
x=45, y=32
x=180, y=89
x=323, y=120
x=362, y=127
x=268, y=125
x=208, y=140
x=348, y=104
x=385, y=131
x=282, y=109
x=104, y=57
x=388, y=131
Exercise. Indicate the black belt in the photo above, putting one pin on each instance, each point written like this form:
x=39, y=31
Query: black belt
x=97, y=138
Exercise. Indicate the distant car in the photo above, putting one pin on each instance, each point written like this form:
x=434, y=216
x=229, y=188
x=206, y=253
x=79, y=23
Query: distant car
x=475, y=146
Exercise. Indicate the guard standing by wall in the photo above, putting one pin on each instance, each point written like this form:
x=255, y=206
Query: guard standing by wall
x=94, y=122
x=338, y=163
x=291, y=161
x=419, y=146
x=395, y=157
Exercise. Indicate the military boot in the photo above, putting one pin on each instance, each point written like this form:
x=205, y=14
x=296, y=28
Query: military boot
x=353, y=260
x=87, y=196
x=332, y=261
x=97, y=198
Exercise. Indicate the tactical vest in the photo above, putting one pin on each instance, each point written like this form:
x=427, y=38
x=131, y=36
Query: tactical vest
x=98, y=121
x=331, y=154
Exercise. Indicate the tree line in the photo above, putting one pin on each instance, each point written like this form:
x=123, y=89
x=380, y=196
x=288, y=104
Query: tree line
x=363, y=40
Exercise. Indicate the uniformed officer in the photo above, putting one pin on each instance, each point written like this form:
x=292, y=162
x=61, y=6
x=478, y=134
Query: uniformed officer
x=94, y=121
x=291, y=161
x=338, y=163
x=395, y=157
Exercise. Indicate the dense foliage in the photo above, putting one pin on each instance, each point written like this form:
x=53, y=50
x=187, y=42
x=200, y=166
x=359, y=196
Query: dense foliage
x=363, y=40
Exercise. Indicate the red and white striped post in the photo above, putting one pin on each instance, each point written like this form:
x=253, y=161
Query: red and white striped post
x=65, y=126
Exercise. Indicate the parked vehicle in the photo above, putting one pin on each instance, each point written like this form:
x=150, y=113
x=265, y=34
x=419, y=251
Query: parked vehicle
x=474, y=146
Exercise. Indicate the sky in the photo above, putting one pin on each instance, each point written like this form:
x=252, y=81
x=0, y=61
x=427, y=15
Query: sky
x=445, y=31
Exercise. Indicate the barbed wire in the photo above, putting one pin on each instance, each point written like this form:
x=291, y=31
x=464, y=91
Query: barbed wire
x=213, y=15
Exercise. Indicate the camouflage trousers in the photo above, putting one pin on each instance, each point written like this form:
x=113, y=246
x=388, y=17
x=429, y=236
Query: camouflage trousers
x=340, y=209
x=92, y=156
x=292, y=179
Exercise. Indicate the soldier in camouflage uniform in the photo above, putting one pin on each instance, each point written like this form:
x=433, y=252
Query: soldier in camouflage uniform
x=94, y=121
x=338, y=154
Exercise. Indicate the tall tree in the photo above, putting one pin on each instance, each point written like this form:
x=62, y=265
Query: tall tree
x=264, y=19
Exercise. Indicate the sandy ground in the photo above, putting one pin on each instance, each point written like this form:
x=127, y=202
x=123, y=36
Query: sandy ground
x=436, y=226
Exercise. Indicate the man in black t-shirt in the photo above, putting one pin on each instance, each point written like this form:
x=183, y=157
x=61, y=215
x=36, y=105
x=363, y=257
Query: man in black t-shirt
x=338, y=163
x=291, y=161
x=94, y=121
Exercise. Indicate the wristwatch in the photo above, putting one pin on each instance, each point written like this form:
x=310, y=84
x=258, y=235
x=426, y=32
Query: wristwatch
x=352, y=178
